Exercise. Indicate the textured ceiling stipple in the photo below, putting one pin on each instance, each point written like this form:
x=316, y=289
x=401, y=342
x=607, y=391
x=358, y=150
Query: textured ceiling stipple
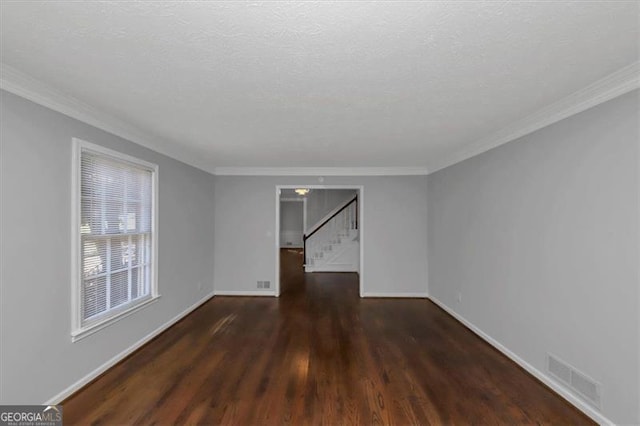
x=319, y=83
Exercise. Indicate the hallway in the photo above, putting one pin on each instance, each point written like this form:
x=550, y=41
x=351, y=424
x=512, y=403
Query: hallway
x=295, y=283
x=317, y=355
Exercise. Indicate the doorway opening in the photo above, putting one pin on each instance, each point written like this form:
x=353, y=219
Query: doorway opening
x=319, y=228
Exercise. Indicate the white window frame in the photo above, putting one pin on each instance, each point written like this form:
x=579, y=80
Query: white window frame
x=78, y=330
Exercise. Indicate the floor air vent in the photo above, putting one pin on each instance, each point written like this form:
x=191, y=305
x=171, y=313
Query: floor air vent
x=575, y=380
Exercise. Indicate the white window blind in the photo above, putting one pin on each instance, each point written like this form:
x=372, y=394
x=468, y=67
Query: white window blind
x=115, y=236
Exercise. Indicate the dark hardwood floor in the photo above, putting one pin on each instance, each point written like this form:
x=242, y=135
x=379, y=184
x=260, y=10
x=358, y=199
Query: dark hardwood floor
x=317, y=355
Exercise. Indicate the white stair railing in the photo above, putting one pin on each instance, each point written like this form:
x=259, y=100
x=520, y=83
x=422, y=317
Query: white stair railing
x=320, y=243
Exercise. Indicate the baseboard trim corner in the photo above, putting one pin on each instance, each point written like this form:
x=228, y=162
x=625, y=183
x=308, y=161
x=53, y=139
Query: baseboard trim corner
x=67, y=392
x=395, y=295
x=548, y=381
x=271, y=293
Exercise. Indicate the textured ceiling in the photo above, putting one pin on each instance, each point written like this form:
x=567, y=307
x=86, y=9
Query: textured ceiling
x=319, y=83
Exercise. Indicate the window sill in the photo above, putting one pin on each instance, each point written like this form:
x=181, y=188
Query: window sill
x=89, y=330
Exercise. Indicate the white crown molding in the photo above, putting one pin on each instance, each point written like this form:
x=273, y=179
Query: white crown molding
x=618, y=83
x=23, y=85
x=27, y=87
x=321, y=171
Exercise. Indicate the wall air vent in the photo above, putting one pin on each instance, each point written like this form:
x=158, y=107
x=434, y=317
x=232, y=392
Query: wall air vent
x=575, y=380
x=586, y=386
x=264, y=284
x=559, y=369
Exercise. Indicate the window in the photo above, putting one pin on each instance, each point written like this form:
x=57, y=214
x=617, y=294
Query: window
x=114, y=236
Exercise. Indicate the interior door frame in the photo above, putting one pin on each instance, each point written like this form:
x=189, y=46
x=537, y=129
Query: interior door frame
x=360, y=189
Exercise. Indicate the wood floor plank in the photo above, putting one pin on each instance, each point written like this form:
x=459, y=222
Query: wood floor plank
x=318, y=355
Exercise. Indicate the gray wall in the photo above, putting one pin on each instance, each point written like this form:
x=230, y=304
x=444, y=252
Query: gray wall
x=541, y=238
x=395, y=243
x=38, y=359
x=321, y=202
x=291, y=223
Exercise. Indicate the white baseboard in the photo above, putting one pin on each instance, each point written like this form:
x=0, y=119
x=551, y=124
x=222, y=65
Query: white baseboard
x=406, y=295
x=334, y=267
x=555, y=386
x=113, y=361
x=270, y=293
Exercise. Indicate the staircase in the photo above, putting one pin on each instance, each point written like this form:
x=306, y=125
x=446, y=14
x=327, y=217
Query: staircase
x=333, y=244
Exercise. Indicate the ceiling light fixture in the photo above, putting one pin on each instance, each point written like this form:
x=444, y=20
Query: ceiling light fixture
x=302, y=191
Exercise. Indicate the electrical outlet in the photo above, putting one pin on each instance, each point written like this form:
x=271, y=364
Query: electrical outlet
x=459, y=297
